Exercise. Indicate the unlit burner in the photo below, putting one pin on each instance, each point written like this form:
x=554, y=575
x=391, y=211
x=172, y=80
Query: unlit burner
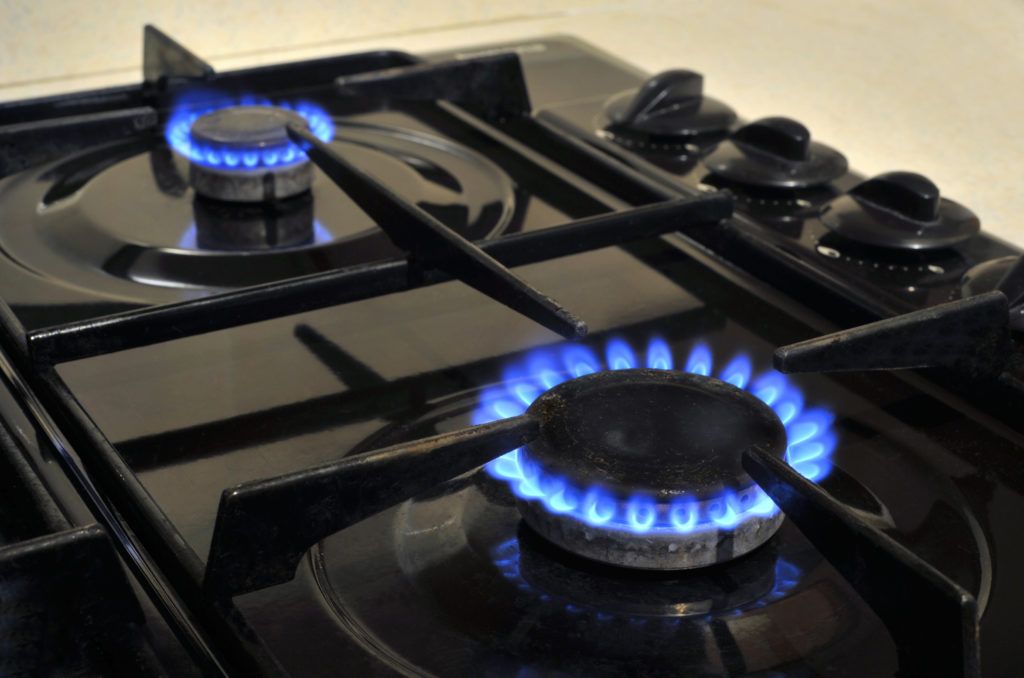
x=646, y=464
x=243, y=154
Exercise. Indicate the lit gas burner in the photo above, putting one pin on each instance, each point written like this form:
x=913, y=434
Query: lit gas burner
x=640, y=466
x=240, y=151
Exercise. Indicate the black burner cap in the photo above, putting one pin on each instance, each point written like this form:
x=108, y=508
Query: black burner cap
x=245, y=127
x=662, y=432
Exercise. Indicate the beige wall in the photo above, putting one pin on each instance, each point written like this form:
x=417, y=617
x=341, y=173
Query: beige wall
x=56, y=38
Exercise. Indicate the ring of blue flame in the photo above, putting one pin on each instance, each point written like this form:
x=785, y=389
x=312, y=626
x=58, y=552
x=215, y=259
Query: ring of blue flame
x=810, y=440
x=179, y=136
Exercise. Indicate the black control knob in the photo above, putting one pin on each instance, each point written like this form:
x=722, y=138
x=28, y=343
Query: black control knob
x=906, y=194
x=666, y=112
x=676, y=92
x=902, y=210
x=784, y=138
x=775, y=153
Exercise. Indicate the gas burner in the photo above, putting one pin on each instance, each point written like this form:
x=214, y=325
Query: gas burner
x=640, y=467
x=240, y=152
x=661, y=449
x=245, y=138
x=172, y=242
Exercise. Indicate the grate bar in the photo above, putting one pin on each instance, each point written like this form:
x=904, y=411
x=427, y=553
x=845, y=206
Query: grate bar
x=143, y=327
x=264, y=527
x=932, y=619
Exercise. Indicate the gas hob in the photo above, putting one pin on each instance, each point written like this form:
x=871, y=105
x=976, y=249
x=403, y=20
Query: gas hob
x=505, y=362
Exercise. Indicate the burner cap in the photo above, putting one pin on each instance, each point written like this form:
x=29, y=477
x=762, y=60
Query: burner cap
x=660, y=432
x=243, y=154
x=245, y=128
x=661, y=448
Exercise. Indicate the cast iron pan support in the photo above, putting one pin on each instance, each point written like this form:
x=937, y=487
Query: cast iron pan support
x=164, y=59
x=433, y=244
x=972, y=336
x=29, y=143
x=73, y=575
x=264, y=527
x=933, y=621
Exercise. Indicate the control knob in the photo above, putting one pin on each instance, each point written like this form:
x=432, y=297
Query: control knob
x=900, y=210
x=775, y=153
x=667, y=112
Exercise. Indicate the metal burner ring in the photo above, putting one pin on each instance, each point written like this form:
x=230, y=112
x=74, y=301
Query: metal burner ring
x=251, y=158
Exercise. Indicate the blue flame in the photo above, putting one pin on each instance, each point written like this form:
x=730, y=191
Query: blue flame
x=659, y=355
x=619, y=355
x=178, y=134
x=699, y=361
x=810, y=440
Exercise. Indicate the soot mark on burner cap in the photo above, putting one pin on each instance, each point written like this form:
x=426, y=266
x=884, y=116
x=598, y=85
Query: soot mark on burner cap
x=661, y=432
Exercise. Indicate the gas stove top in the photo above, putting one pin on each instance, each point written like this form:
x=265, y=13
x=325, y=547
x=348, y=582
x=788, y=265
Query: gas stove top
x=509, y=362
